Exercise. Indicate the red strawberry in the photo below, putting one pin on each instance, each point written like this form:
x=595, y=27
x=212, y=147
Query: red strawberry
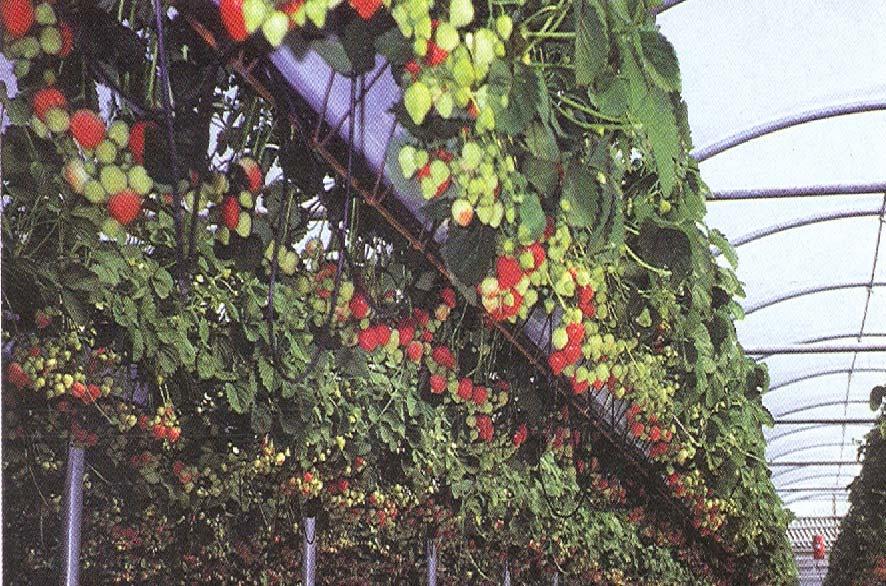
x=484, y=428
x=406, y=334
x=42, y=320
x=67, y=39
x=232, y=18
x=435, y=55
x=125, y=206
x=87, y=128
x=253, y=173
x=16, y=375
x=438, y=384
x=230, y=212
x=158, y=431
x=94, y=392
x=368, y=339
x=425, y=171
x=443, y=356
x=18, y=17
x=538, y=254
x=421, y=316
x=365, y=8
x=414, y=351
x=46, y=99
x=480, y=395
x=292, y=7
x=382, y=334
x=358, y=306
x=637, y=429
x=507, y=269
x=137, y=140
x=557, y=362
x=465, y=389
x=521, y=435
x=413, y=68
x=448, y=297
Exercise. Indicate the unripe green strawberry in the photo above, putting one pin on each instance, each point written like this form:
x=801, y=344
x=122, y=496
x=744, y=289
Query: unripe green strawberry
x=223, y=235
x=275, y=28
x=462, y=212
x=444, y=105
x=44, y=14
x=106, y=152
x=51, y=41
x=113, y=179
x=112, y=228
x=39, y=127
x=471, y=155
x=58, y=121
x=289, y=262
x=255, y=12
x=504, y=26
x=28, y=48
x=76, y=175
x=417, y=100
x=244, y=225
x=245, y=199
x=49, y=77
x=559, y=339
x=461, y=12
x=446, y=36
x=139, y=180
x=22, y=68
x=406, y=157
x=94, y=192
x=118, y=131
x=463, y=72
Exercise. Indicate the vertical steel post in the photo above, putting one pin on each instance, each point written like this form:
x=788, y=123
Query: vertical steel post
x=431, y=557
x=73, y=510
x=506, y=579
x=555, y=581
x=309, y=565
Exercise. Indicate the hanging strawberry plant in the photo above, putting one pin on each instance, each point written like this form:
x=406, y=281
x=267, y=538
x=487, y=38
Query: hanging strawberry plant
x=242, y=335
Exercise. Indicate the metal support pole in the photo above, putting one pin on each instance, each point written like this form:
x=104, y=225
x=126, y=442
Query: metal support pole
x=506, y=578
x=555, y=581
x=309, y=565
x=72, y=511
x=431, y=557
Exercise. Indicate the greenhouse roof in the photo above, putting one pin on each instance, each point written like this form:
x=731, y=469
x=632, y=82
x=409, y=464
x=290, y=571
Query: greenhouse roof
x=788, y=124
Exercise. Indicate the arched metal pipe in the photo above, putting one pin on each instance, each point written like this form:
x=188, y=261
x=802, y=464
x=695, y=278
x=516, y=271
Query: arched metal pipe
x=666, y=5
x=833, y=338
x=754, y=132
x=789, y=483
x=820, y=374
x=802, y=191
x=802, y=223
x=813, y=291
x=817, y=405
x=809, y=427
x=805, y=448
x=799, y=498
x=769, y=351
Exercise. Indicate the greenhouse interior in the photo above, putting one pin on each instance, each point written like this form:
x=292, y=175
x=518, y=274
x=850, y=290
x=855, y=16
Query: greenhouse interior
x=452, y=292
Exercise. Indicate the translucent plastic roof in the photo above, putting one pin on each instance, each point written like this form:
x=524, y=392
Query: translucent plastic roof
x=792, y=96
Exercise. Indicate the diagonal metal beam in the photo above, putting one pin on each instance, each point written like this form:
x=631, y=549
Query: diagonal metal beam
x=823, y=373
x=817, y=405
x=833, y=349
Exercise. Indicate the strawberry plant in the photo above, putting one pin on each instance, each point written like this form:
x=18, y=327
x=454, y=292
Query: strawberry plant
x=241, y=340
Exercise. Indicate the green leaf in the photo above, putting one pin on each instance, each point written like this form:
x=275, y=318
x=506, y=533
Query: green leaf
x=542, y=175
x=466, y=252
x=333, y=52
x=660, y=60
x=532, y=216
x=540, y=141
x=878, y=393
x=239, y=396
x=665, y=247
x=720, y=241
x=653, y=109
x=162, y=281
x=581, y=191
x=522, y=88
x=393, y=46
x=591, y=41
x=261, y=419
